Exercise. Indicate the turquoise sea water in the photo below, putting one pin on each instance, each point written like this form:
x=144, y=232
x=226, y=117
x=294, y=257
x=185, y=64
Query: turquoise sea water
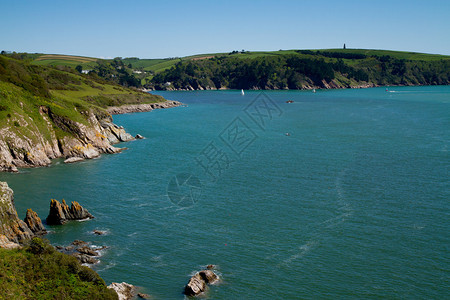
x=352, y=203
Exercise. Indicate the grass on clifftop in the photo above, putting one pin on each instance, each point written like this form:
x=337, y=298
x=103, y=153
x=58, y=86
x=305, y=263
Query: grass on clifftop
x=40, y=272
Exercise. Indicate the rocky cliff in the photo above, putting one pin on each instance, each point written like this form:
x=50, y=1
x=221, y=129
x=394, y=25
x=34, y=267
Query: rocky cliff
x=23, y=144
x=14, y=231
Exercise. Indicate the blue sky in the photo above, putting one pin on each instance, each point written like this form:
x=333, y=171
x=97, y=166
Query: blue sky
x=157, y=29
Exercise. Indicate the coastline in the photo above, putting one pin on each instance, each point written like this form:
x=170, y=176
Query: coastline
x=327, y=86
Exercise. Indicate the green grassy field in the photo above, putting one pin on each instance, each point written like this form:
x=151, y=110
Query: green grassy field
x=64, y=60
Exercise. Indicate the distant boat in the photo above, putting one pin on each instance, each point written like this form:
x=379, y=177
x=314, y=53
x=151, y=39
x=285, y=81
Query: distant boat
x=314, y=90
x=290, y=101
x=242, y=92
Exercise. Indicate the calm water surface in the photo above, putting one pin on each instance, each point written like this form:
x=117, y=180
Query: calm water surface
x=352, y=203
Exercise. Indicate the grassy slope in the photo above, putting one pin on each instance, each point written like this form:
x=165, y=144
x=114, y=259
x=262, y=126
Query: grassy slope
x=39, y=272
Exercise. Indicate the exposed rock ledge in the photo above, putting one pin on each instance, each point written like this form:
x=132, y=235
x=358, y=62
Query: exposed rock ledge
x=124, y=290
x=132, y=108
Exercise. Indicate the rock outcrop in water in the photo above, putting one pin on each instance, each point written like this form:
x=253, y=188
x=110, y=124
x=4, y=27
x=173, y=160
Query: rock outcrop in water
x=60, y=213
x=14, y=231
x=199, y=282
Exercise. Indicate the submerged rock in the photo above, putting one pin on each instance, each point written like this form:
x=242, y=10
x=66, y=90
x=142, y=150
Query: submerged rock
x=143, y=296
x=60, y=213
x=79, y=242
x=124, y=290
x=88, y=251
x=99, y=232
x=198, y=283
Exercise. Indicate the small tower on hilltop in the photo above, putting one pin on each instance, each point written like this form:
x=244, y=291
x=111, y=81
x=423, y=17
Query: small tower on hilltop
x=344, y=46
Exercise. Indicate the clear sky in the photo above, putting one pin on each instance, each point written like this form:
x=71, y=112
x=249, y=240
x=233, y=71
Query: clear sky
x=158, y=29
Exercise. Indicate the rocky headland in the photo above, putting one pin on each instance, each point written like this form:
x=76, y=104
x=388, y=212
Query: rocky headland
x=79, y=140
x=63, y=137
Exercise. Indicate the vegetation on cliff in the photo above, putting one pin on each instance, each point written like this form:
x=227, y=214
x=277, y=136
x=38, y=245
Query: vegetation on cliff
x=38, y=271
x=283, y=69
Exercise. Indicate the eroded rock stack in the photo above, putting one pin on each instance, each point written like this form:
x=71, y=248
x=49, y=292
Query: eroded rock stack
x=34, y=222
x=198, y=283
x=60, y=213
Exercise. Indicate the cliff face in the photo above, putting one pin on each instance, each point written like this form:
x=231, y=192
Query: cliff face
x=32, y=146
x=12, y=229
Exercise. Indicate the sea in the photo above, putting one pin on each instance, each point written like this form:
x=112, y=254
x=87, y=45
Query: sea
x=339, y=194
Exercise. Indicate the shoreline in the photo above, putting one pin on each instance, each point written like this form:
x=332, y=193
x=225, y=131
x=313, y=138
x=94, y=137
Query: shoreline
x=134, y=108
x=328, y=86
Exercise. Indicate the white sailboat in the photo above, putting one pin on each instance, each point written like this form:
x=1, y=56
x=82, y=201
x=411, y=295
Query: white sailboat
x=242, y=92
x=314, y=90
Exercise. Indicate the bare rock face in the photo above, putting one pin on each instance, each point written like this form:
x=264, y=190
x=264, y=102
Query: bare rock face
x=7, y=244
x=198, y=283
x=209, y=276
x=36, y=146
x=34, y=222
x=60, y=213
x=124, y=290
x=13, y=231
x=195, y=286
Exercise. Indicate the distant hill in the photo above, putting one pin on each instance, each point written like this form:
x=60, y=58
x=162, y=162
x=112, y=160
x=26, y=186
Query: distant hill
x=304, y=69
x=283, y=69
